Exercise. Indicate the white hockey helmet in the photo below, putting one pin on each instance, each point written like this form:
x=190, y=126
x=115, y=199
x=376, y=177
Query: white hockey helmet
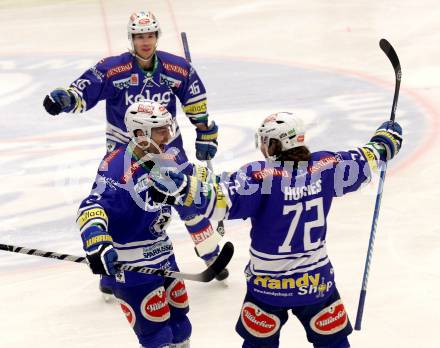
x=284, y=127
x=142, y=22
x=146, y=115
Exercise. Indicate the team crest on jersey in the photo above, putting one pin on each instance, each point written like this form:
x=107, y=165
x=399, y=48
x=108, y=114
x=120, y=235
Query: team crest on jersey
x=129, y=312
x=161, y=222
x=154, y=306
x=258, y=322
x=177, y=295
x=330, y=320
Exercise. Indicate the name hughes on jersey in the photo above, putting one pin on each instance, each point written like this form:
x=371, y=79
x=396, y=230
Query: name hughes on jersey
x=296, y=193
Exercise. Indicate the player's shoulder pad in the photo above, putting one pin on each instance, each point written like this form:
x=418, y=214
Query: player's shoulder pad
x=322, y=160
x=116, y=66
x=175, y=66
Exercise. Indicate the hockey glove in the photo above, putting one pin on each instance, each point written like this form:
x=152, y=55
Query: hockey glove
x=100, y=253
x=59, y=100
x=389, y=134
x=206, y=143
x=169, y=188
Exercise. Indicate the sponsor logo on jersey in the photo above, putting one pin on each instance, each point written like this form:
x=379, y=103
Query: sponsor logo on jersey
x=169, y=81
x=129, y=312
x=261, y=174
x=99, y=75
x=203, y=234
x=177, y=295
x=128, y=175
x=287, y=283
x=144, y=182
x=322, y=163
x=161, y=98
x=157, y=249
x=196, y=108
x=91, y=214
x=176, y=68
x=306, y=284
x=134, y=80
x=296, y=193
x=154, y=306
x=104, y=164
x=258, y=322
x=122, y=84
x=330, y=320
x=119, y=69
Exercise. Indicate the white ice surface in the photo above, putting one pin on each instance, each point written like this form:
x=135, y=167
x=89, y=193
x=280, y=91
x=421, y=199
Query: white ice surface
x=47, y=164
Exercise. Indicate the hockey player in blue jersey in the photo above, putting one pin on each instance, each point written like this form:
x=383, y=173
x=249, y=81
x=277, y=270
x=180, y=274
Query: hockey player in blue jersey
x=142, y=73
x=287, y=197
x=119, y=222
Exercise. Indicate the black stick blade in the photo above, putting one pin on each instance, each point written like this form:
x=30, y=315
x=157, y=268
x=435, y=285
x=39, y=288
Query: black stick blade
x=223, y=258
x=392, y=56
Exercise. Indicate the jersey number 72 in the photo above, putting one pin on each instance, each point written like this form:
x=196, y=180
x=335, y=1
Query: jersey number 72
x=298, y=209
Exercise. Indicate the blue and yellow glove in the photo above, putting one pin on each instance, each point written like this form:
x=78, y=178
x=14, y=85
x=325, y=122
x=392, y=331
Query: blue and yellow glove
x=389, y=134
x=59, y=100
x=206, y=143
x=98, y=245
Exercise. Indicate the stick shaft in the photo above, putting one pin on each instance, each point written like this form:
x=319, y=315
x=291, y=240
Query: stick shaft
x=205, y=276
x=394, y=59
x=220, y=225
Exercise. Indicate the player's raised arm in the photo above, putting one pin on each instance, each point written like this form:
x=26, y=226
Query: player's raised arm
x=352, y=168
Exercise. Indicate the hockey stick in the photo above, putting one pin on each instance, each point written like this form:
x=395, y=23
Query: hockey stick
x=206, y=276
x=220, y=225
x=392, y=56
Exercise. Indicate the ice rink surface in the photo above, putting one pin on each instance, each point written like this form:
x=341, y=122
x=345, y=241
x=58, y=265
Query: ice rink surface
x=320, y=59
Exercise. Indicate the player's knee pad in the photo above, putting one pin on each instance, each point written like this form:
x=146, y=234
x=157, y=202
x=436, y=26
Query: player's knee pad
x=159, y=339
x=339, y=344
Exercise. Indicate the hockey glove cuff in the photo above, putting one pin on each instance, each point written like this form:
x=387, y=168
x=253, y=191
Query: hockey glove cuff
x=206, y=143
x=389, y=134
x=100, y=253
